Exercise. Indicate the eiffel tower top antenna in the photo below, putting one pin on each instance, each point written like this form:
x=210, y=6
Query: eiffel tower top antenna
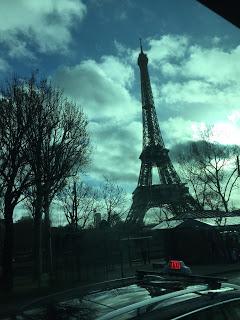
x=140, y=40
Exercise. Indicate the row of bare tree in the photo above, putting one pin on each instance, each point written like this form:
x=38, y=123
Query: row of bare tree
x=43, y=141
x=83, y=204
x=212, y=172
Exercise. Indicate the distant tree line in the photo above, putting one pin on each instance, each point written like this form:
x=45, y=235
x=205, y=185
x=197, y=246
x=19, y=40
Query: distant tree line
x=81, y=203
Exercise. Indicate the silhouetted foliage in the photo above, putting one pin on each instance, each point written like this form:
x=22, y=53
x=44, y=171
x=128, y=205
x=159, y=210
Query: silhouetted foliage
x=57, y=147
x=15, y=120
x=211, y=171
x=114, y=202
x=79, y=202
x=43, y=141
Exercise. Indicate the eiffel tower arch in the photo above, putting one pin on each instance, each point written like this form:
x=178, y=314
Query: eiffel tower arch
x=169, y=191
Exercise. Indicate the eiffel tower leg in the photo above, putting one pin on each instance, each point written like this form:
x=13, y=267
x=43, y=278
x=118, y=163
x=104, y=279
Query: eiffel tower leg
x=145, y=176
x=136, y=213
x=161, y=175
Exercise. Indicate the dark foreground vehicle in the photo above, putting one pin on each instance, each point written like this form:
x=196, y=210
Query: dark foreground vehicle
x=174, y=293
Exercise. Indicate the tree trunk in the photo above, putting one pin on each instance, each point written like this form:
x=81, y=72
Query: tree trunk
x=225, y=203
x=48, y=238
x=7, y=255
x=37, y=240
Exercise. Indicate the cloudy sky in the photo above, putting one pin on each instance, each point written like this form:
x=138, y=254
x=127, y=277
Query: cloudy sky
x=90, y=47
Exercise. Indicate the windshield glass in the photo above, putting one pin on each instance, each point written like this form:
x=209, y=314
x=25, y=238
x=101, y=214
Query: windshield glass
x=119, y=151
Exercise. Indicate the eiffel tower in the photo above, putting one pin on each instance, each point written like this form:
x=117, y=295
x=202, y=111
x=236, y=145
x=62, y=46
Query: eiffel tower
x=170, y=192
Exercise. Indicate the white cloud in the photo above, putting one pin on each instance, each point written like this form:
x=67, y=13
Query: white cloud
x=159, y=51
x=200, y=83
x=167, y=47
x=16, y=48
x=170, y=69
x=190, y=91
x=201, y=92
x=177, y=130
x=117, y=71
x=222, y=132
x=128, y=54
x=234, y=116
x=104, y=91
x=195, y=76
x=226, y=133
x=3, y=65
x=215, y=65
x=101, y=88
x=175, y=55
x=117, y=146
x=216, y=40
x=47, y=24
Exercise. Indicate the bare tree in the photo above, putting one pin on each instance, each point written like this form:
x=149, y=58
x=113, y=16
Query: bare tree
x=161, y=214
x=190, y=172
x=43, y=141
x=57, y=148
x=79, y=202
x=15, y=119
x=210, y=169
x=114, y=201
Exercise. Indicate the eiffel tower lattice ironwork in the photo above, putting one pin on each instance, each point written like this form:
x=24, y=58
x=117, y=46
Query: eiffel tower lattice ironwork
x=170, y=191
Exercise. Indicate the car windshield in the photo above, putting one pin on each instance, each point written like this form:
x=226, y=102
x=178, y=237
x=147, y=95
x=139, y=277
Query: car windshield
x=119, y=154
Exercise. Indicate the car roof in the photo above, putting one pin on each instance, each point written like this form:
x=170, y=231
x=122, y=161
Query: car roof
x=187, y=287
x=184, y=310
x=190, y=307
x=160, y=302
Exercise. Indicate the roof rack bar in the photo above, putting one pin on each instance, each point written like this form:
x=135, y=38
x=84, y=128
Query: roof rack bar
x=212, y=282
